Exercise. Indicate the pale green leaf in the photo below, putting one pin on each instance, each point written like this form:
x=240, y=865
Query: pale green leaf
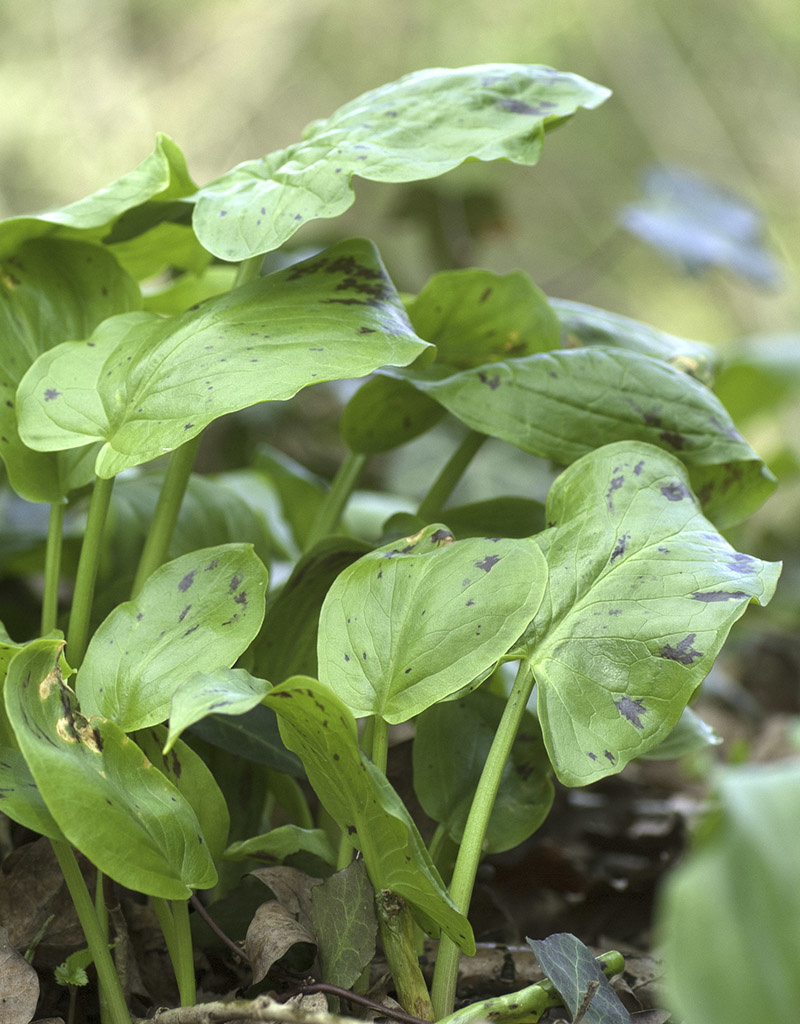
x=282, y=842
x=226, y=691
x=413, y=622
x=642, y=593
x=144, y=385
x=197, y=612
x=420, y=126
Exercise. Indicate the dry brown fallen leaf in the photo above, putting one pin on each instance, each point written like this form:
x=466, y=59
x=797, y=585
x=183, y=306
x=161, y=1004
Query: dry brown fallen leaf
x=19, y=985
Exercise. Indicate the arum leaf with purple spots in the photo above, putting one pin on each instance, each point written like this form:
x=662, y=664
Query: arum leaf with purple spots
x=51, y=290
x=196, y=613
x=414, y=622
x=228, y=691
x=320, y=729
x=108, y=799
x=145, y=384
x=560, y=405
x=418, y=127
x=642, y=593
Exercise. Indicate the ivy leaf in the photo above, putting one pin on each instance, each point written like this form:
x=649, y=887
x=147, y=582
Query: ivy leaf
x=418, y=127
x=144, y=384
x=415, y=621
x=51, y=290
x=572, y=969
x=317, y=726
x=106, y=797
x=560, y=405
x=643, y=591
x=200, y=611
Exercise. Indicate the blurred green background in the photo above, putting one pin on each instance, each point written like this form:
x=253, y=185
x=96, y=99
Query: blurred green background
x=710, y=89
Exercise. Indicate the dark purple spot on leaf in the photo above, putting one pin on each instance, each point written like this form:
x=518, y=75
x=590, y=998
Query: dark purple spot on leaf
x=223, y=213
x=663, y=551
x=441, y=537
x=470, y=603
x=637, y=469
x=241, y=598
x=212, y=565
x=616, y=483
x=591, y=756
x=488, y=563
x=621, y=547
x=485, y=295
x=609, y=756
x=191, y=629
x=351, y=830
x=615, y=611
x=632, y=710
x=366, y=330
x=674, y=440
x=188, y=426
x=682, y=652
x=182, y=615
x=187, y=580
x=235, y=583
x=719, y=595
x=740, y=562
x=51, y=394
x=364, y=653
x=491, y=382
x=674, y=492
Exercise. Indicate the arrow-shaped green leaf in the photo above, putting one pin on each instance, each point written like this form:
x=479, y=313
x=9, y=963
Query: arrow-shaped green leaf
x=642, y=593
x=145, y=385
x=420, y=126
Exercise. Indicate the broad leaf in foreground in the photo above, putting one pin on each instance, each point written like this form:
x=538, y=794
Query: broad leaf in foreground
x=316, y=725
x=572, y=969
x=144, y=384
x=418, y=127
x=105, y=796
x=20, y=798
x=643, y=591
x=413, y=622
x=198, y=612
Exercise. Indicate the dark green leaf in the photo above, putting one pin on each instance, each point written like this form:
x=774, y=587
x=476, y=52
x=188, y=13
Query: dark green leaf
x=586, y=326
x=287, y=644
x=385, y=413
x=642, y=593
x=253, y=736
x=197, y=612
x=560, y=405
x=572, y=969
x=451, y=743
x=504, y=517
x=319, y=727
x=420, y=126
x=729, y=918
x=226, y=691
x=103, y=793
x=50, y=291
x=475, y=317
x=413, y=622
x=343, y=909
x=144, y=384
x=284, y=841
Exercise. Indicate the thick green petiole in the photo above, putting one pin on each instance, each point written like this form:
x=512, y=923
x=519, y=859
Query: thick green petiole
x=173, y=916
x=397, y=935
x=443, y=989
x=78, y=632
x=442, y=487
x=52, y=567
x=330, y=511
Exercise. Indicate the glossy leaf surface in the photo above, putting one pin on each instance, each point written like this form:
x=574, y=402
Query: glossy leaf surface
x=415, y=621
x=198, y=612
x=642, y=593
x=420, y=126
x=321, y=730
x=738, y=885
x=560, y=405
x=106, y=797
x=451, y=743
x=20, y=798
x=283, y=841
x=228, y=691
x=144, y=385
x=50, y=291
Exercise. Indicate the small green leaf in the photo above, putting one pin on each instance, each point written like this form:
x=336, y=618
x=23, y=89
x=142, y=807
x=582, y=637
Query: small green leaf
x=197, y=612
x=475, y=317
x=343, y=910
x=105, y=796
x=506, y=517
x=729, y=917
x=144, y=384
x=385, y=413
x=413, y=622
x=643, y=591
x=572, y=969
x=20, y=798
x=161, y=178
x=585, y=326
x=51, y=290
x=282, y=842
x=227, y=691
x=418, y=127
x=560, y=405
x=451, y=743
x=318, y=726
x=190, y=775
